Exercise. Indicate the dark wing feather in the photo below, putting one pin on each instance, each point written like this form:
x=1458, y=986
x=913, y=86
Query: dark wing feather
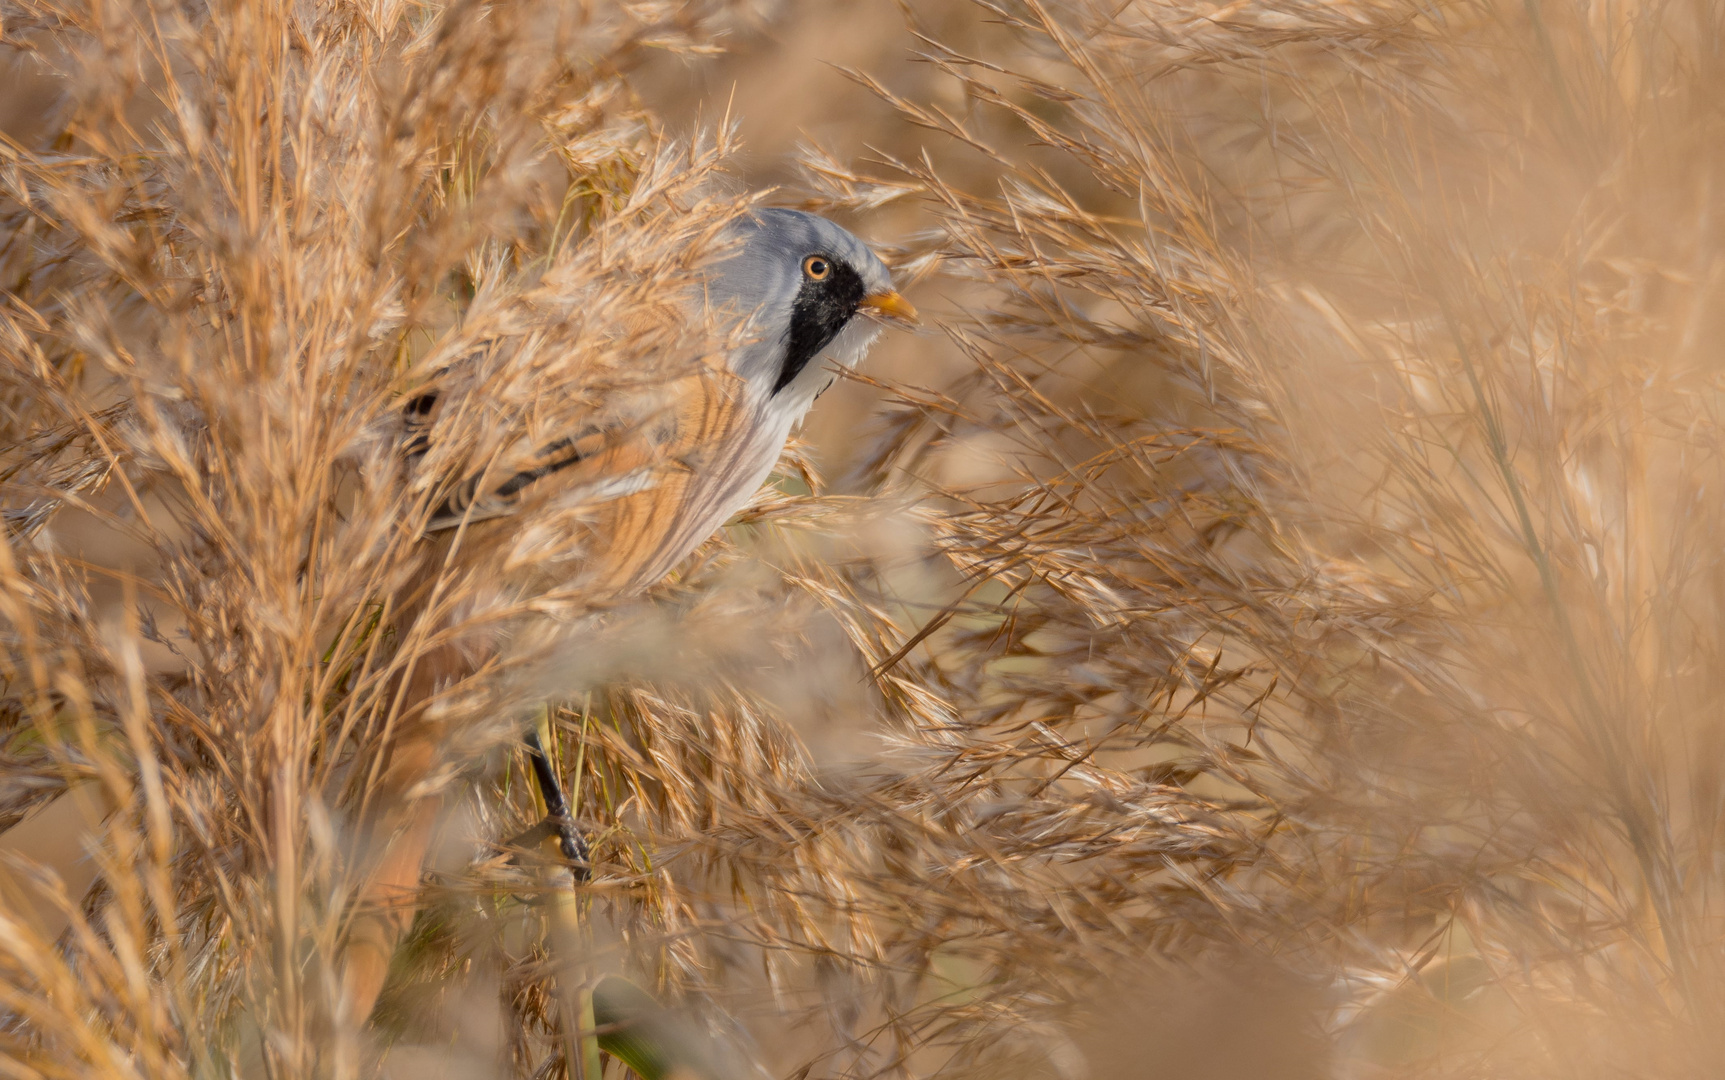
x=477, y=499
x=590, y=458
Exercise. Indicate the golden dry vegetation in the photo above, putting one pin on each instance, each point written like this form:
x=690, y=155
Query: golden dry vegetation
x=1268, y=623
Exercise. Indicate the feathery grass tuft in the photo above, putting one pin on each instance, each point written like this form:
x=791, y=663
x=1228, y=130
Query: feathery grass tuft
x=1281, y=599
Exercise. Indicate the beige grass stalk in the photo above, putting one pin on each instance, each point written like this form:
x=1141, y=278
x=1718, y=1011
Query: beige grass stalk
x=259, y=230
x=1420, y=286
x=1316, y=507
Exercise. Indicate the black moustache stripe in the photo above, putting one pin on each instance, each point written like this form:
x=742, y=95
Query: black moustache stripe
x=820, y=311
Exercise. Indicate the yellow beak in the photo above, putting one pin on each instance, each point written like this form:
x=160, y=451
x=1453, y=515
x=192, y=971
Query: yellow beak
x=890, y=305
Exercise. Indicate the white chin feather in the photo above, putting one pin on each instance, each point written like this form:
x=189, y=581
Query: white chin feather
x=846, y=350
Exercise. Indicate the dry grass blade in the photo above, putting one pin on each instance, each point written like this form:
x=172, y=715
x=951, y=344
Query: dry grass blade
x=1286, y=597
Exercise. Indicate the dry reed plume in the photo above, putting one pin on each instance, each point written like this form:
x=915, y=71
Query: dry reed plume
x=1284, y=628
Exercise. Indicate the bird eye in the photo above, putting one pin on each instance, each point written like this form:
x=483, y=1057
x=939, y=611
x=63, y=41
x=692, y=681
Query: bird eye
x=817, y=267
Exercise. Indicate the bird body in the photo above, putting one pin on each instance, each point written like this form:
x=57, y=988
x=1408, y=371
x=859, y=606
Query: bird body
x=622, y=488
x=654, y=471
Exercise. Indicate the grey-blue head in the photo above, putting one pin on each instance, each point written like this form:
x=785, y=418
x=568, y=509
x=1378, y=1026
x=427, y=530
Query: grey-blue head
x=815, y=292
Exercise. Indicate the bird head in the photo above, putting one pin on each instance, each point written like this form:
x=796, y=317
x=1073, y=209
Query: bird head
x=817, y=296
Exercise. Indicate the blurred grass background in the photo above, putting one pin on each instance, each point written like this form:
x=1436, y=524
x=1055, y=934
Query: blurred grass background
x=1268, y=624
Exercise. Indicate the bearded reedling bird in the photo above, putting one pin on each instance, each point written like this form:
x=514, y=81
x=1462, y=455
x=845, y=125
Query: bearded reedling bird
x=650, y=487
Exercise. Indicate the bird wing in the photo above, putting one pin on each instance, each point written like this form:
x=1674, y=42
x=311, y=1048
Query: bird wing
x=637, y=487
x=596, y=461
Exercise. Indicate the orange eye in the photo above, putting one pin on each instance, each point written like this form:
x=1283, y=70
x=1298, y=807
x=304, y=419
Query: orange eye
x=817, y=267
